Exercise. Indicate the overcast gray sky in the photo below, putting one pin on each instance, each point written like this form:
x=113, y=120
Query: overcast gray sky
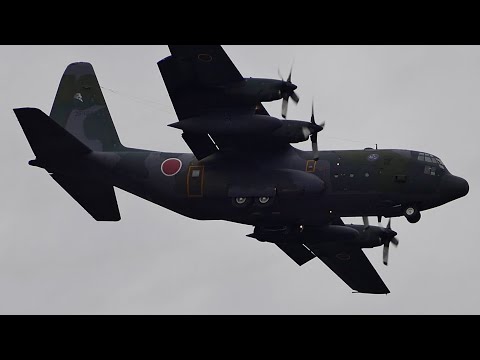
x=55, y=259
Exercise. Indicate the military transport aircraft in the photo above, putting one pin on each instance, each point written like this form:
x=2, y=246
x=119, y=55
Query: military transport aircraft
x=243, y=167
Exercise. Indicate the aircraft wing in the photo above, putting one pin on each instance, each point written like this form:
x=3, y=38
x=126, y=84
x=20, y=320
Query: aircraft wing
x=193, y=74
x=349, y=263
x=210, y=64
x=352, y=266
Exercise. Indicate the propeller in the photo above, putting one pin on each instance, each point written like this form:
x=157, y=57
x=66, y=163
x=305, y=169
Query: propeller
x=314, y=130
x=288, y=92
x=388, y=236
x=366, y=224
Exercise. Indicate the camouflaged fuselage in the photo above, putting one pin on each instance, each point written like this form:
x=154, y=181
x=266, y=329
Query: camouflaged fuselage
x=339, y=184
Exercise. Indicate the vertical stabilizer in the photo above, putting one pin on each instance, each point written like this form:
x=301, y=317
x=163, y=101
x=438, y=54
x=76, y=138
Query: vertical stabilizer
x=80, y=108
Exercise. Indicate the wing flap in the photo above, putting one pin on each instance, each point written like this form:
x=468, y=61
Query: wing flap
x=200, y=144
x=297, y=252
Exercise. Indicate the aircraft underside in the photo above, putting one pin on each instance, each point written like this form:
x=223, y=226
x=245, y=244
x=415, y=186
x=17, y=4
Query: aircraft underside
x=242, y=168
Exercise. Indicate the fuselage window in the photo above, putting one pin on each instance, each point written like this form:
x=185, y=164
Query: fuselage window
x=421, y=157
x=195, y=173
x=430, y=170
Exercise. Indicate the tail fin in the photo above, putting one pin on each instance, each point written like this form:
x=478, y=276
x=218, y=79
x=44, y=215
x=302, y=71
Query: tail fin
x=80, y=108
x=78, y=123
x=55, y=147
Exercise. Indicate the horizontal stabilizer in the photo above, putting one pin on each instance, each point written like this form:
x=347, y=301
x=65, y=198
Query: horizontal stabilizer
x=48, y=139
x=97, y=199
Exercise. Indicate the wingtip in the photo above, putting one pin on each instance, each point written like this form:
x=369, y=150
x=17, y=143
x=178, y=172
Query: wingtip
x=373, y=293
x=114, y=218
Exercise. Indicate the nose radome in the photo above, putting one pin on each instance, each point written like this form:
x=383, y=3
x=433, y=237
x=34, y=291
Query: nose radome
x=453, y=187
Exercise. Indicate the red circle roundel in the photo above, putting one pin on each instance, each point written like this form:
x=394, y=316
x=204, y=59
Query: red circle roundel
x=171, y=167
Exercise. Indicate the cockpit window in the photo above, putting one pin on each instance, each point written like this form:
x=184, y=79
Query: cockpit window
x=430, y=159
x=440, y=163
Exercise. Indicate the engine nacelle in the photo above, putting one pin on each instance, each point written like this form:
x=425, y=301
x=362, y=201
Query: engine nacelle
x=221, y=124
x=354, y=235
x=294, y=131
x=254, y=90
x=308, y=236
x=331, y=233
x=370, y=236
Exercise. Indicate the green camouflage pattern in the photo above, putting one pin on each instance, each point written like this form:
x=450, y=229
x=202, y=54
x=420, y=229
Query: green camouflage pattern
x=80, y=108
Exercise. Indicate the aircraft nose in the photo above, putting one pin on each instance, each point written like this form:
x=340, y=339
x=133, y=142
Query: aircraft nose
x=453, y=187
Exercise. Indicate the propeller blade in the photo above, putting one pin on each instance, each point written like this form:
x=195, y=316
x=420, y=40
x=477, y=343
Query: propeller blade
x=288, y=92
x=389, y=227
x=395, y=241
x=294, y=97
x=289, y=80
x=284, y=107
x=385, y=252
x=365, y=221
x=314, y=139
x=312, y=119
x=379, y=218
